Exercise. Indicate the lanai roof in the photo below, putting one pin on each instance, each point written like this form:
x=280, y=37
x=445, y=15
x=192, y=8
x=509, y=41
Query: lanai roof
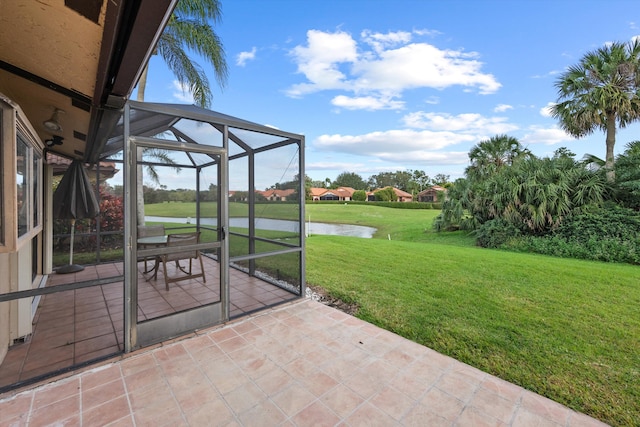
x=80, y=56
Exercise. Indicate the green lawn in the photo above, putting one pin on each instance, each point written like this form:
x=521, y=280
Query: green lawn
x=567, y=329
x=410, y=225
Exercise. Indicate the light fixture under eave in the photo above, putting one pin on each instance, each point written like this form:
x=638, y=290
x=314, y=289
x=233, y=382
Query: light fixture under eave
x=55, y=140
x=53, y=124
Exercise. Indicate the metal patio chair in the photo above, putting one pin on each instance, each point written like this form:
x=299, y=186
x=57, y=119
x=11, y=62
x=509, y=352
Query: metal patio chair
x=182, y=239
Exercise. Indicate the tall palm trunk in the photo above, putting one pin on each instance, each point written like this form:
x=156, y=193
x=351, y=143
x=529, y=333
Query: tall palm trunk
x=140, y=188
x=611, y=141
x=142, y=84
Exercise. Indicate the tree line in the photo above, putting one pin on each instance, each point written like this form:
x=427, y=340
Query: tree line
x=411, y=181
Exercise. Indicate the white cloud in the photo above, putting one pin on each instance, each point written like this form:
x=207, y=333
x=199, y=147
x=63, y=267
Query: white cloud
x=433, y=100
x=318, y=166
x=469, y=123
x=426, y=141
x=420, y=65
x=367, y=103
x=550, y=73
x=396, y=141
x=635, y=39
x=429, y=157
x=379, y=41
x=427, y=32
x=243, y=57
x=501, y=108
x=546, y=110
x=372, y=167
x=319, y=61
x=384, y=65
x=182, y=93
x=546, y=136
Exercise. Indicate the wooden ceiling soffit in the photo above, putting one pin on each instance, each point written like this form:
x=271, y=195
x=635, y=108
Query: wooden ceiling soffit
x=132, y=30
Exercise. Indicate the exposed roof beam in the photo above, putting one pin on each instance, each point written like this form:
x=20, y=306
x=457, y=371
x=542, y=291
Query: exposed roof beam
x=132, y=30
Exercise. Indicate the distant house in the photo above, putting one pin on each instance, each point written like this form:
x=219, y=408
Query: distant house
x=401, y=196
x=340, y=193
x=316, y=192
x=238, y=196
x=277, y=195
x=431, y=194
x=60, y=165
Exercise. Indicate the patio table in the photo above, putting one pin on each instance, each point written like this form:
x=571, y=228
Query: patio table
x=153, y=241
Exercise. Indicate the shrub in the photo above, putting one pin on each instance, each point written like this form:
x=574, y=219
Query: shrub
x=385, y=195
x=111, y=212
x=495, y=233
x=606, y=250
x=609, y=234
x=608, y=222
x=359, y=195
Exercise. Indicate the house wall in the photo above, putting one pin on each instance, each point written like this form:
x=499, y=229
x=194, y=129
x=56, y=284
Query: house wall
x=17, y=252
x=428, y=196
x=20, y=310
x=5, y=285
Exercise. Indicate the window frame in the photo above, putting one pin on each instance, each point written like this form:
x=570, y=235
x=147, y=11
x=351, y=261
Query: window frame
x=33, y=196
x=12, y=124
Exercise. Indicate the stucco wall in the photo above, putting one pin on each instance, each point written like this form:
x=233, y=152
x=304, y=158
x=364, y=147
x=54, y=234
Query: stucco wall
x=5, y=286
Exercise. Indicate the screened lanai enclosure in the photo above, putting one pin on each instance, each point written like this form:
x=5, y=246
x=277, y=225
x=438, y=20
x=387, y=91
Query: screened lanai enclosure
x=209, y=155
x=184, y=239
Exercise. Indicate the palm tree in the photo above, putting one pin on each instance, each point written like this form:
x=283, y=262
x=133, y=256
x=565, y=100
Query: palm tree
x=601, y=92
x=157, y=155
x=492, y=154
x=628, y=175
x=189, y=28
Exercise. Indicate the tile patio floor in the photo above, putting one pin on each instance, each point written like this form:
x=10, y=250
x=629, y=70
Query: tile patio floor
x=73, y=327
x=299, y=364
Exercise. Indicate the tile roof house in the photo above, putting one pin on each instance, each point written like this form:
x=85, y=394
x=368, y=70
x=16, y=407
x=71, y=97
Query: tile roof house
x=340, y=193
x=401, y=196
x=277, y=195
x=431, y=194
x=316, y=192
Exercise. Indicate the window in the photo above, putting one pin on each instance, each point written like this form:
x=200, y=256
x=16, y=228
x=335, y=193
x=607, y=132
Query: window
x=28, y=184
x=35, y=197
x=21, y=178
x=22, y=185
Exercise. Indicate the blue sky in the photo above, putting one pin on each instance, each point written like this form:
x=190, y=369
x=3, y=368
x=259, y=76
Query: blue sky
x=381, y=86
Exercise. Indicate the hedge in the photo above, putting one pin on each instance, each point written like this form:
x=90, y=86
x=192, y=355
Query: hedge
x=396, y=205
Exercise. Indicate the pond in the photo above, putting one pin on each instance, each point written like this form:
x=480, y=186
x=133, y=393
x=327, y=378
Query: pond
x=280, y=225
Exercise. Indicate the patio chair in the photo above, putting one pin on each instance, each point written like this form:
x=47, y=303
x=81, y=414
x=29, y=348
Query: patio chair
x=182, y=239
x=149, y=231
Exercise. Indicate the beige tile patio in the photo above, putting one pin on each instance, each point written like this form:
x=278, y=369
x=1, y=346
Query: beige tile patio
x=256, y=371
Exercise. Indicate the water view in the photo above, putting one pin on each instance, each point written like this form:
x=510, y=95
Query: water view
x=280, y=225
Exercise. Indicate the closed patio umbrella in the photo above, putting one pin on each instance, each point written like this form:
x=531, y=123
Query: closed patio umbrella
x=74, y=199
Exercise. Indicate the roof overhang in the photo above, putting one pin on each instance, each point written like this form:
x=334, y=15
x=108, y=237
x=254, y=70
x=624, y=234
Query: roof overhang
x=80, y=56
